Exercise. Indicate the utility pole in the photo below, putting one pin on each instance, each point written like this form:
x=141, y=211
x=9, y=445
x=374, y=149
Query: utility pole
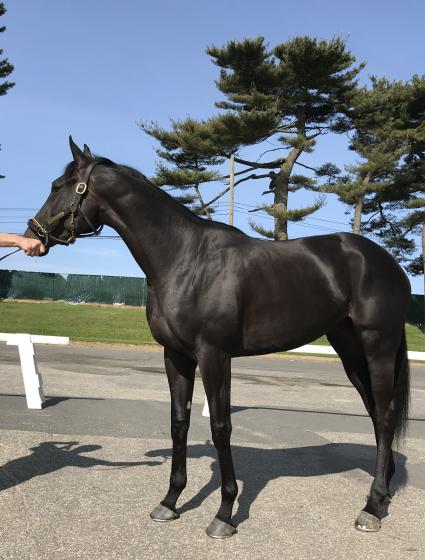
x=232, y=189
x=206, y=410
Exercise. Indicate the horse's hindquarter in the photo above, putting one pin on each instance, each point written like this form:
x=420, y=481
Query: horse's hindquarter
x=293, y=292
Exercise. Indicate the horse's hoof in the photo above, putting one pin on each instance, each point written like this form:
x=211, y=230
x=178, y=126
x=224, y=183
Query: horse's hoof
x=162, y=513
x=367, y=522
x=219, y=529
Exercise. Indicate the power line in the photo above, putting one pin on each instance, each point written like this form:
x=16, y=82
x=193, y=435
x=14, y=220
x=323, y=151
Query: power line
x=242, y=205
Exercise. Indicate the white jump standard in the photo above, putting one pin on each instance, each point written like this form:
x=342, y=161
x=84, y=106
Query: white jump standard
x=33, y=382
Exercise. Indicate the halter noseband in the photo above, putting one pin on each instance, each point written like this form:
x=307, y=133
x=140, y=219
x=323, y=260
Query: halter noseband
x=43, y=232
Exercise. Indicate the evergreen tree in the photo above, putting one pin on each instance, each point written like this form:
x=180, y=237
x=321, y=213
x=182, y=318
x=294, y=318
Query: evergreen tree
x=292, y=95
x=5, y=67
x=188, y=152
x=398, y=212
x=376, y=115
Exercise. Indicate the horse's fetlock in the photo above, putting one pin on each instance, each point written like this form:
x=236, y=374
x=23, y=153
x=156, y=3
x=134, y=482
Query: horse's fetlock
x=229, y=491
x=178, y=481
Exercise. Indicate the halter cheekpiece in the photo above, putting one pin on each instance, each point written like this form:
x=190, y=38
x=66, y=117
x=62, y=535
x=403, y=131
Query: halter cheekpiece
x=44, y=231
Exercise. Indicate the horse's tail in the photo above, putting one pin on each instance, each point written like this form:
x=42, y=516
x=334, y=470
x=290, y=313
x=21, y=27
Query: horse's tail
x=401, y=395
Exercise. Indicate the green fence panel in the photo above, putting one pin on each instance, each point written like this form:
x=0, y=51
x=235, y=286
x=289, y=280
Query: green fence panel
x=75, y=288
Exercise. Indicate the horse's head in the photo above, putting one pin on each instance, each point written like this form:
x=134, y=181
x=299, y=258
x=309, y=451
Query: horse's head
x=71, y=209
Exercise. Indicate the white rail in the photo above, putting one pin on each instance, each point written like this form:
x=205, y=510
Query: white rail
x=33, y=382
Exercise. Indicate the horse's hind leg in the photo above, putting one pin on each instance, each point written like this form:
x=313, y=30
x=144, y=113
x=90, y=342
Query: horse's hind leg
x=389, y=386
x=350, y=349
x=181, y=375
x=348, y=346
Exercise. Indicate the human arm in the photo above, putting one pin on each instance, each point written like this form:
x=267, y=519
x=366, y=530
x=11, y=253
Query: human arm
x=32, y=247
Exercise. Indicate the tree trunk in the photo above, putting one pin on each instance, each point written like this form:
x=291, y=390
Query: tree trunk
x=281, y=192
x=358, y=210
x=280, y=207
x=357, y=222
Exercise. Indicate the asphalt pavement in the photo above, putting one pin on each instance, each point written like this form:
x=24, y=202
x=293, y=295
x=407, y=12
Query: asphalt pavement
x=79, y=478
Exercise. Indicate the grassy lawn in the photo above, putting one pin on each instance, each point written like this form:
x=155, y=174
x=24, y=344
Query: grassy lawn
x=415, y=339
x=93, y=323
x=79, y=322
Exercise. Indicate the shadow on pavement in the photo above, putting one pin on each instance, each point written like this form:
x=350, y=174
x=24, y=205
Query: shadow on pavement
x=51, y=456
x=236, y=409
x=53, y=401
x=255, y=467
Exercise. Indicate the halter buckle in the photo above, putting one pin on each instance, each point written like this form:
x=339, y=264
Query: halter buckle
x=81, y=188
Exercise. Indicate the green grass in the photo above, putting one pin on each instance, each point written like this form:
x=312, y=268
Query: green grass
x=415, y=339
x=79, y=322
x=93, y=323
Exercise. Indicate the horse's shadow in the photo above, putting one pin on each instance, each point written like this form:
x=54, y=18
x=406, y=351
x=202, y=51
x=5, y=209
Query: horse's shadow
x=255, y=467
x=51, y=456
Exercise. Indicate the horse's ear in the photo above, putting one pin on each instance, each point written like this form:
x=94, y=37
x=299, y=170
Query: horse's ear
x=77, y=154
x=87, y=152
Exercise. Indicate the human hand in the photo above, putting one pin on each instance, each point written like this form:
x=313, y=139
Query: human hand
x=32, y=247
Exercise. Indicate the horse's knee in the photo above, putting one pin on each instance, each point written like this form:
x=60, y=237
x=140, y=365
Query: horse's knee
x=221, y=432
x=179, y=430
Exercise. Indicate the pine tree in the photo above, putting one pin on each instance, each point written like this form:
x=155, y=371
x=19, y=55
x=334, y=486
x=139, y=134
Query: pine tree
x=291, y=95
x=376, y=114
x=398, y=212
x=5, y=67
x=189, y=156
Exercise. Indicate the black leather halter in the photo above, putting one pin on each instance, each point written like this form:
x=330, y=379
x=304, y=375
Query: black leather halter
x=44, y=232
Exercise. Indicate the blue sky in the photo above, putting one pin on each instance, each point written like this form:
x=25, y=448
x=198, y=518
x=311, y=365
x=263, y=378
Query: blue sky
x=94, y=69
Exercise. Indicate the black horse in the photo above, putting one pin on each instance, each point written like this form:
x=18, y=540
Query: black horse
x=215, y=293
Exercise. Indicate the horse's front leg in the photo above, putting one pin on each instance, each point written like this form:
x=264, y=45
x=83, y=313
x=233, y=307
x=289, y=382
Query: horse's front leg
x=181, y=375
x=215, y=370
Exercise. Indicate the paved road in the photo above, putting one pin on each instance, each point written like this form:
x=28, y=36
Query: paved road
x=80, y=477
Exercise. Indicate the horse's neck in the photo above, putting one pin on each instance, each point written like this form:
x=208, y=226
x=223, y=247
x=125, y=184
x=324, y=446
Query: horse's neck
x=159, y=232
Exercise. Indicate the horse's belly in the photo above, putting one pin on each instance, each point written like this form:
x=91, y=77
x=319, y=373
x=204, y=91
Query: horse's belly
x=288, y=324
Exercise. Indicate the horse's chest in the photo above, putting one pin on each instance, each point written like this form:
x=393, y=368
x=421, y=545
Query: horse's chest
x=169, y=326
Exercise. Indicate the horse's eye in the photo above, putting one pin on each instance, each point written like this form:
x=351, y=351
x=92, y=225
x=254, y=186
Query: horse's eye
x=58, y=183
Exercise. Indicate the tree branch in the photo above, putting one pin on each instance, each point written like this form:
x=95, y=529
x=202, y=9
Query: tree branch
x=204, y=207
x=252, y=176
x=269, y=165
x=306, y=166
x=273, y=150
x=226, y=190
